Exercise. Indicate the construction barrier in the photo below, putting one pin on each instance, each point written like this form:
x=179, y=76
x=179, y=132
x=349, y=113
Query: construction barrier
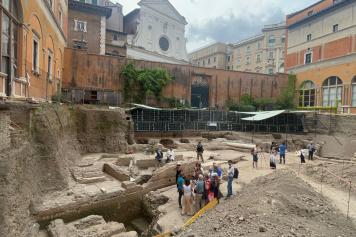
x=206, y=208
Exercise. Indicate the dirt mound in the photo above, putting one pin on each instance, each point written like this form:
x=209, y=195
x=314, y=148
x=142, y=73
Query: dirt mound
x=279, y=204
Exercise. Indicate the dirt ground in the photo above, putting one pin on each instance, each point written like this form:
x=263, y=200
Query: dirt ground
x=279, y=204
x=337, y=174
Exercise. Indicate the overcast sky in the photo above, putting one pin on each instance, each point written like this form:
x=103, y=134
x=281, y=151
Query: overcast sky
x=227, y=20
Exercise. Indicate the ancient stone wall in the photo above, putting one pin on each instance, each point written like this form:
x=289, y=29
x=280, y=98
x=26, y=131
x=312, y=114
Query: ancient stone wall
x=38, y=145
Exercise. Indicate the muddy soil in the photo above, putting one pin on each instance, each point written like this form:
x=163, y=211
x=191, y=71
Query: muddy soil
x=279, y=204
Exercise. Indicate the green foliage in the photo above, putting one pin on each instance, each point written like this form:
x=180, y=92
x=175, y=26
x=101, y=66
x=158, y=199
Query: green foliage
x=175, y=103
x=141, y=83
x=243, y=107
x=246, y=100
x=327, y=109
x=287, y=98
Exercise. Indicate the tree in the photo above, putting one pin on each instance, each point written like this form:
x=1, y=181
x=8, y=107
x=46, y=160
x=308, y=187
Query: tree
x=141, y=83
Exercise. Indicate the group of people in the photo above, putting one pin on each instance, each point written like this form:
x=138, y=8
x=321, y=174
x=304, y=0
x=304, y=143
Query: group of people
x=159, y=156
x=280, y=150
x=198, y=189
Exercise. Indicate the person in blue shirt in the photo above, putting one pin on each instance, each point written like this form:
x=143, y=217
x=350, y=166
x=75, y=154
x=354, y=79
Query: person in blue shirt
x=180, y=183
x=282, y=153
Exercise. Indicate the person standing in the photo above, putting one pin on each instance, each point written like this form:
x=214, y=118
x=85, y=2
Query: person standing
x=159, y=156
x=230, y=177
x=200, y=151
x=180, y=187
x=198, y=170
x=302, y=158
x=170, y=155
x=254, y=157
x=311, y=149
x=282, y=153
x=207, y=194
x=187, y=198
x=272, y=162
x=178, y=171
x=199, y=191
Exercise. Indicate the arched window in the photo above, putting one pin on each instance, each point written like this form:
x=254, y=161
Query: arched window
x=353, y=91
x=9, y=11
x=332, y=91
x=307, y=94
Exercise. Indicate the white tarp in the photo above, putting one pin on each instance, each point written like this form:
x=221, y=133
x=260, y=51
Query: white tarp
x=264, y=115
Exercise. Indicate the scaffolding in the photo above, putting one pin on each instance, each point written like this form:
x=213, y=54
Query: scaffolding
x=174, y=120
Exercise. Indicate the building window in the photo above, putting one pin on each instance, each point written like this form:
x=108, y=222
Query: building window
x=5, y=44
x=50, y=2
x=332, y=91
x=35, y=53
x=307, y=94
x=336, y=28
x=309, y=37
x=6, y=4
x=270, y=55
x=208, y=61
x=282, y=54
x=270, y=71
x=238, y=61
x=228, y=67
x=203, y=62
x=80, y=26
x=115, y=36
x=248, y=49
x=354, y=92
x=95, y=2
x=228, y=58
x=271, y=41
x=164, y=43
x=259, y=45
x=258, y=58
x=50, y=65
x=214, y=59
x=310, y=13
x=248, y=60
x=308, y=58
x=9, y=42
x=60, y=16
x=283, y=39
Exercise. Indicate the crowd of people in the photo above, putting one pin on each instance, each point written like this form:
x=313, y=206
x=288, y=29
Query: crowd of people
x=198, y=189
x=280, y=150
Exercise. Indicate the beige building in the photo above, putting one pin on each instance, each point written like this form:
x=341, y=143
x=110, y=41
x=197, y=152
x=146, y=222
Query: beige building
x=212, y=56
x=263, y=53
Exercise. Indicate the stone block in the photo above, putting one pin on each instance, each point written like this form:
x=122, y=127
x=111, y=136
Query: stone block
x=179, y=157
x=124, y=161
x=131, y=186
x=127, y=234
x=116, y=172
x=146, y=163
x=94, y=226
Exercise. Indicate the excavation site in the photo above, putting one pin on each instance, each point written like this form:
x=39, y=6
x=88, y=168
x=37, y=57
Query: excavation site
x=93, y=171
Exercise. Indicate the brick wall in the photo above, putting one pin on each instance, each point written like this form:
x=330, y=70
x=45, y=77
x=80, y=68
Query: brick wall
x=97, y=72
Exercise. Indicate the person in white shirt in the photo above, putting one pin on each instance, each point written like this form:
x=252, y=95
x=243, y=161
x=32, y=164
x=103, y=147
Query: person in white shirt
x=230, y=176
x=272, y=162
x=170, y=155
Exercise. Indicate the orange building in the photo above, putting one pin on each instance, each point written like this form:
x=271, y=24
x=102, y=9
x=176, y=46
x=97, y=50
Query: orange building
x=321, y=51
x=32, y=47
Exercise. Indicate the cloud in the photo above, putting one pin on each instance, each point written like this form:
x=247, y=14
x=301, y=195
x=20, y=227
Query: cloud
x=233, y=27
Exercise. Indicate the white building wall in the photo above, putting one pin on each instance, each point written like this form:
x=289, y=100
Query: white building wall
x=152, y=26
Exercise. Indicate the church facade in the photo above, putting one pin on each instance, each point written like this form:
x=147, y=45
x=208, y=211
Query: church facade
x=156, y=32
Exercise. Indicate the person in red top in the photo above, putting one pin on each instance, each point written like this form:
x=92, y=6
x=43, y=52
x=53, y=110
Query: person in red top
x=208, y=195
